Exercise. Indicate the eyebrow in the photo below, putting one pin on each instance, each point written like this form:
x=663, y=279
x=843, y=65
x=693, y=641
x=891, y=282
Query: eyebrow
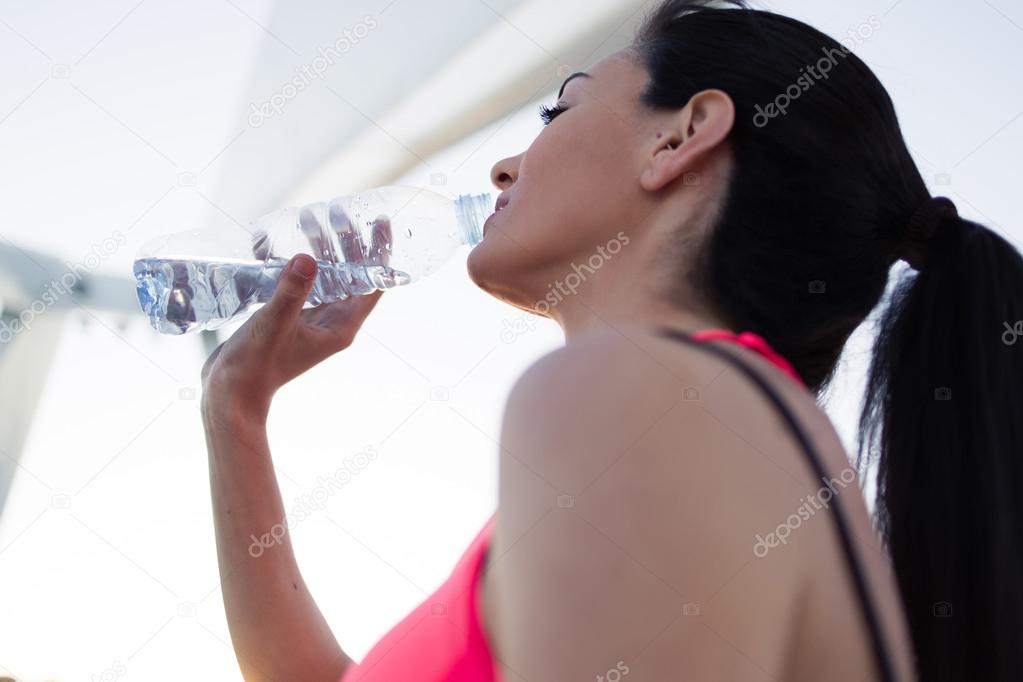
x=574, y=75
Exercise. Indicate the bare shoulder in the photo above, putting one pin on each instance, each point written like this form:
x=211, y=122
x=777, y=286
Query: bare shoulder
x=637, y=476
x=623, y=385
x=610, y=397
x=616, y=370
x=628, y=512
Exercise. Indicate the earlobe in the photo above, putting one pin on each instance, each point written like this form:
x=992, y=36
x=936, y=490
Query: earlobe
x=663, y=165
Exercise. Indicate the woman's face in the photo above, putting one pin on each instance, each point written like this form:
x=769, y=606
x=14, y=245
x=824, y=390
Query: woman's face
x=572, y=190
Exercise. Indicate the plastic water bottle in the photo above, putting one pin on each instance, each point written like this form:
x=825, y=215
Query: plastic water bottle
x=376, y=239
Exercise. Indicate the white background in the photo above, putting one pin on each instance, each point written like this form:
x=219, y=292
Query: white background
x=107, y=560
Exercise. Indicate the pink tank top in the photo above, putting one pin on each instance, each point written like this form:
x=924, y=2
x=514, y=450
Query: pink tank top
x=443, y=639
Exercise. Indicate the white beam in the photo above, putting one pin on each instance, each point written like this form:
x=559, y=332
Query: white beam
x=520, y=58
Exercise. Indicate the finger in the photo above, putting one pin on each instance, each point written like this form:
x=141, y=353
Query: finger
x=310, y=224
x=260, y=244
x=381, y=240
x=342, y=319
x=292, y=290
x=347, y=235
x=207, y=366
x=364, y=307
x=349, y=312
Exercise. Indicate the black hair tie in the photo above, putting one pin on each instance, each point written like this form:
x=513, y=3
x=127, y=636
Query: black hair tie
x=920, y=231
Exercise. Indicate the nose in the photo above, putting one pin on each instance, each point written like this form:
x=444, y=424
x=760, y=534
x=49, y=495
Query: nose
x=505, y=172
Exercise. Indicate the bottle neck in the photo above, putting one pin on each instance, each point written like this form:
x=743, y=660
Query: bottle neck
x=472, y=211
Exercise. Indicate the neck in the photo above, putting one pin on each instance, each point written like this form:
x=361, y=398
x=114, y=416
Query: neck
x=622, y=301
x=631, y=288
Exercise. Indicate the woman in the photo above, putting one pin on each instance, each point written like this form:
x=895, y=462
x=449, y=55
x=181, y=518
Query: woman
x=673, y=502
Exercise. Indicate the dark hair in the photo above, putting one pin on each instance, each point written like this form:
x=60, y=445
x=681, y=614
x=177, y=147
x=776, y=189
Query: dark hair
x=800, y=252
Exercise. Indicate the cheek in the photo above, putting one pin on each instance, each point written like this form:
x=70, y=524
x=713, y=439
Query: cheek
x=572, y=192
x=573, y=184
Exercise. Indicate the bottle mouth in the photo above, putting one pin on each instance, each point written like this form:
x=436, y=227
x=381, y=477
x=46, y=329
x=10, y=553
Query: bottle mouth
x=472, y=211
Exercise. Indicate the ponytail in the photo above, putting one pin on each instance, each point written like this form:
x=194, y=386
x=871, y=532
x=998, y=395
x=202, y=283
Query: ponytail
x=943, y=418
x=801, y=252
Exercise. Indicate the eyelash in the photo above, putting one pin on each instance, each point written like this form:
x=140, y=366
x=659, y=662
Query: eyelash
x=548, y=114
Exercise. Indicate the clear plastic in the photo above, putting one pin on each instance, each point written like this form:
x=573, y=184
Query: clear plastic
x=376, y=239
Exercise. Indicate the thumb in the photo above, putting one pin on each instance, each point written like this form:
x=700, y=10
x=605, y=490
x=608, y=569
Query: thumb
x=292, y=290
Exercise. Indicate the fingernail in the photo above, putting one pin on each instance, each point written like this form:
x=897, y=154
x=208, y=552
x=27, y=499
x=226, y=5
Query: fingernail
x=305, y=267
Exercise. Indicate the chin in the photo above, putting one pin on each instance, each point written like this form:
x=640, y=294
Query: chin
x=486, y=269
x=493, y=268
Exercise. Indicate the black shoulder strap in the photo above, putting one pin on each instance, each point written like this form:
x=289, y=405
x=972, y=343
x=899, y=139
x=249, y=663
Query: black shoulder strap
x=884, y=664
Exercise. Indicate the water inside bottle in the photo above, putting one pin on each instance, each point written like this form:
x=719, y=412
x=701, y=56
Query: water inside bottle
x=180, y=294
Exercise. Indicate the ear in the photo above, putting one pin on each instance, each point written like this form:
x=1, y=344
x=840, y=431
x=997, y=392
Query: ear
x=691, y=132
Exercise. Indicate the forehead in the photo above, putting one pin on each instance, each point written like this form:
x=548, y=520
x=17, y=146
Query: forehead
x=618, y=72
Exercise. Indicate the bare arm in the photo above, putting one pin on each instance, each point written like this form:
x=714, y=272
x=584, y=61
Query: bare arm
x=277, y=629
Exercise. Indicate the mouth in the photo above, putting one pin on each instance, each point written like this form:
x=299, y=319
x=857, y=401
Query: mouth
x=499, y=205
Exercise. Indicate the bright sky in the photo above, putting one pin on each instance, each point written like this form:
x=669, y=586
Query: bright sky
x=107, y=562
x=107, y=532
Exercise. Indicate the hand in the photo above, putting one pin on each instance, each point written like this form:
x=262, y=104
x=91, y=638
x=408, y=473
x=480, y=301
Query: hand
x=279, y=342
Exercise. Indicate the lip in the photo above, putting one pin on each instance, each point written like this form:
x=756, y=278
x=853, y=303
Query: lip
x=501, y=202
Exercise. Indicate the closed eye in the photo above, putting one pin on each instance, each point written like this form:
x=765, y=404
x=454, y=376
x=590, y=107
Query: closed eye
x=548, y=114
